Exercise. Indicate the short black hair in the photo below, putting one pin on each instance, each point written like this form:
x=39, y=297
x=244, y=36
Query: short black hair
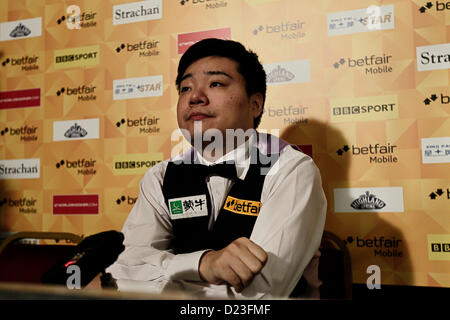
x=248, y=64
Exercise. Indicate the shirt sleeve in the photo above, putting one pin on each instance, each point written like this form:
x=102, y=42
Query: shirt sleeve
x=148, y=234
x=289, y=226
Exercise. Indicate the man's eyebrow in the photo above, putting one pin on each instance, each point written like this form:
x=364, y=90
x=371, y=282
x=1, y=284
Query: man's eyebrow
x=218, y=72
x=210, y=73
x=186, y=76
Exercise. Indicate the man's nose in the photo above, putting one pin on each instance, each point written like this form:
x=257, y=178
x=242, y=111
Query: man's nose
x=198, y=97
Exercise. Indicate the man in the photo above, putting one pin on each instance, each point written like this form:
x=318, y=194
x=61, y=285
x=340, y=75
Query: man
x=242, y=219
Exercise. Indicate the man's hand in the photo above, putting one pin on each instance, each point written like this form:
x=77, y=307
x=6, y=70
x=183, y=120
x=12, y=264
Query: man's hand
x=236, y=264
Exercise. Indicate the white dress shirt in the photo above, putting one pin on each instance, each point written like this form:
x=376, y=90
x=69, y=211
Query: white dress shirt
x=289, y=228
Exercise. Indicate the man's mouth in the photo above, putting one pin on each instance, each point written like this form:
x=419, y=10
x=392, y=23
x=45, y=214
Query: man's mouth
x=197, y=116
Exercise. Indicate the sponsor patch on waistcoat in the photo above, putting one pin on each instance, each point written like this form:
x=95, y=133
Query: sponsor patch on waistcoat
x=188, y=207
x=241, y=206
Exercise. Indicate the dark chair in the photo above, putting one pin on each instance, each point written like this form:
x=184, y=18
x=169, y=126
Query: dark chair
x=334, y=270
x=24, y=262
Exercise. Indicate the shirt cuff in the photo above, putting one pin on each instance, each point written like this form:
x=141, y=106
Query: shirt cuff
x=185, y=266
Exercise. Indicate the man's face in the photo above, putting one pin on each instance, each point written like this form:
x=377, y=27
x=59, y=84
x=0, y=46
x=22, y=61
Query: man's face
x=212, y=91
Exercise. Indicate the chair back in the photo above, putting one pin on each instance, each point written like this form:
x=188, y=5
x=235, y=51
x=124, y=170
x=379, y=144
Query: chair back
x=24, y=262
x=334, y=270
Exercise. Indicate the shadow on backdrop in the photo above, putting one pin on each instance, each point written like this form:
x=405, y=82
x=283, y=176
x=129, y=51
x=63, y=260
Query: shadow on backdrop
x=370, y=239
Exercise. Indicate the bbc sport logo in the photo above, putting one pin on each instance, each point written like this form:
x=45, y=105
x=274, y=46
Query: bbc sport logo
x=364, y=108
x=77, y=57
x=135, y=164
x=438, y=247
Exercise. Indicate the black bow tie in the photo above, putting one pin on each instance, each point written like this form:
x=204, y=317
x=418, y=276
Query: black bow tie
x=226, y=170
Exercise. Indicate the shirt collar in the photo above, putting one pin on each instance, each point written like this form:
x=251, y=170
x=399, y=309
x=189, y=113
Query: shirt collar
x=240, y=156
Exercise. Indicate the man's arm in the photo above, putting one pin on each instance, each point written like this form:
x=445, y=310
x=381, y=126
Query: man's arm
x=148, y=233
x=236, y=264
x=288, y=230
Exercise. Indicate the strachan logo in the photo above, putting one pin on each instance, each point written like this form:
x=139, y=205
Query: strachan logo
x=241, y=206
x=137, y=11
x=435, y=57
x=20, y=169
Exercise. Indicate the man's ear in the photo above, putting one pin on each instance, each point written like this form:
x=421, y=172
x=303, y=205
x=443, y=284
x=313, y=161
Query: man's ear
x=256, y=104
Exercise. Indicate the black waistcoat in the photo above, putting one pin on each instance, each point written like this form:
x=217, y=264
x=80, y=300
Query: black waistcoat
x=236, y=217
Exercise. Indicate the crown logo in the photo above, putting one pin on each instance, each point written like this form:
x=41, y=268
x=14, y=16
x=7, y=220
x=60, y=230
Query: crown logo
x=75, y=131
x=20, y=31
x=280, y=74
x=368, y=201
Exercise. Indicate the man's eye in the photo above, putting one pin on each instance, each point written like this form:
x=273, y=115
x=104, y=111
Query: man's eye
x=216, y=84
x=184, y=89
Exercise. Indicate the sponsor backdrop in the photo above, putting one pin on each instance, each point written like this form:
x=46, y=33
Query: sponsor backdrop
x=88, y=105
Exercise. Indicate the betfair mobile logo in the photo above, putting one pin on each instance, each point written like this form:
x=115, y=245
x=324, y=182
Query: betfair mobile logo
x=440, y=6
x=126, y=199
x=209, y=4
x=240, y=206
x=76, y=19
